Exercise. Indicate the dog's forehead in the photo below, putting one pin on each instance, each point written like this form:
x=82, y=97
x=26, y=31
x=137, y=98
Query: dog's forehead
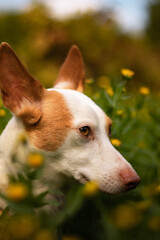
x=82, y=107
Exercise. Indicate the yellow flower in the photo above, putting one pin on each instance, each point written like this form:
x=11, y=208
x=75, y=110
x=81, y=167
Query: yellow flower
x=35, y=160
x=109, y=90
x=143, y=205
x=17, y=191
x=125, y=217
x=44, y=235
x=90, y=189
x=89, y=81
x=154, y=223
x=120, y=112
x=157, y=189
x=144, y=91
x=23, y=227
x=103, y=82
x=127, y=73
x=116, y=142
x=2, y=113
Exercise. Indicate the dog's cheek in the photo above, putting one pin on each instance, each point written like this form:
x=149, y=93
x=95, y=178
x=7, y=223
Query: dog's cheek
x=55, y=124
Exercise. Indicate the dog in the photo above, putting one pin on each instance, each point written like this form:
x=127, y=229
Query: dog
x=67, y=126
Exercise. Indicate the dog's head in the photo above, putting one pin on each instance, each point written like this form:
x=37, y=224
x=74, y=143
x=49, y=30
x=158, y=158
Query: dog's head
x=65, y=123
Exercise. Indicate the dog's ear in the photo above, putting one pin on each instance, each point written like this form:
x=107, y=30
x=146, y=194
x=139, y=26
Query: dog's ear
x=20, y=92
x=72, y=72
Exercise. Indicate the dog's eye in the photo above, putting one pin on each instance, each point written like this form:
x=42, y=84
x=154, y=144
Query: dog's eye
x=110, y=131
x=85, y=131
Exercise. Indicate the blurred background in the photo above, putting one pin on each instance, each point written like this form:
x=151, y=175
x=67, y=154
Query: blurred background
x=113, y=35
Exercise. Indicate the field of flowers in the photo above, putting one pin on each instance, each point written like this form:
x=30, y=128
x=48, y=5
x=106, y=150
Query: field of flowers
x=86, y=213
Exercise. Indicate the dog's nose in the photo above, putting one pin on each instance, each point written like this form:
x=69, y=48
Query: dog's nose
x=130, y=179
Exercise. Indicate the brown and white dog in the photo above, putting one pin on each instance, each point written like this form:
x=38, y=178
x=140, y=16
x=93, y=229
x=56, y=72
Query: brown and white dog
x=64, y=124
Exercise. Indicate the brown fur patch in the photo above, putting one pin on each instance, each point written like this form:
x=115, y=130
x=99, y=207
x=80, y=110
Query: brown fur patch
x=55, y=122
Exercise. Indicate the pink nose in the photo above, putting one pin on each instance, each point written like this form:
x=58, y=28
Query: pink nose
x=129, y=178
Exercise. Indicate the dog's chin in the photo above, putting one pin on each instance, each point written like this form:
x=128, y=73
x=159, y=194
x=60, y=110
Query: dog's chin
x=107, y=188
x=112, y=190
